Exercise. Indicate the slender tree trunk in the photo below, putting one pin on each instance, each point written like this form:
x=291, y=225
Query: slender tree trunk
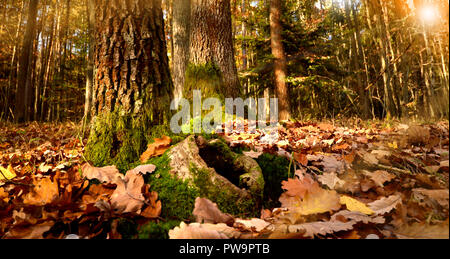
x=280, y=67
x=23, y=89
x=181, y=32
x=90, y=7
x=13, y=72
x=132, y=84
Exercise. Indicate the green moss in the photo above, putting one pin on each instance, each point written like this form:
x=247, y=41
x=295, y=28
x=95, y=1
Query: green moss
x=177, y=196
x=226, y=200
x=207, y=78
x=115, y=139
x=275, y=170
x=157, y=230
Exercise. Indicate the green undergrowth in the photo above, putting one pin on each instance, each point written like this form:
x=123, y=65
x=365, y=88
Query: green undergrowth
x=177, y=196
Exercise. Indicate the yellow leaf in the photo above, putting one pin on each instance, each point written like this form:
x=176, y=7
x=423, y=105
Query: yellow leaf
x=355, y=205
x=320, y=201
x=394, y=145
x=8, y=173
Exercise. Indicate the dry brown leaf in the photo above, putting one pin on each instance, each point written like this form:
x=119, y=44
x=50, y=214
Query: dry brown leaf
x=423, y=231
x=380, y=177
x=153, y=210
x=203, y=231
x=206, y=211
x=108, y=174
x=440, y=196
x=44, y=192
x=330, y=180
x=358, y=217
x=253, y=224
x=301, y=158
x=296, y=187
x=159, y=147
x=143, y=169
x=385, y=204
x=29, y=232
x=128, y=196
x=321, y=228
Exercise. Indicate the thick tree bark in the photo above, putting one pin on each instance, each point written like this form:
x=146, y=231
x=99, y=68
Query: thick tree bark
x=23, y=92
x=132, y=84
x=211, y=43
x=280, y=67
x=181, y=32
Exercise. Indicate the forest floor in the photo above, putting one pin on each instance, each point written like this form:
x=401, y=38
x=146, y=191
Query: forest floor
x=380, y=180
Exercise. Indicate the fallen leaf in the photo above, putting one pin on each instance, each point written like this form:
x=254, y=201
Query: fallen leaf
x=385, y=204
x=358, y=217
x=7, y=173
x=423, y=231
x=29, y=232
x=203, y=231
x=301, y=158
x=159, y=147
x=380, y=177
x=355, y=205
x=128, y=196
x=330, y=180
x=44, y=192
x=312, y=229
x=108, y=174
x=440, y=196
x=206, y=211
x=253, y=224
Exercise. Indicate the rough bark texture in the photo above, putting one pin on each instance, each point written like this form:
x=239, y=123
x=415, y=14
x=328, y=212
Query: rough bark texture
x=181, y=30
x=212, y=43
x=132, y=71
x=280, y=68
x=132, y=84
x=23, y=92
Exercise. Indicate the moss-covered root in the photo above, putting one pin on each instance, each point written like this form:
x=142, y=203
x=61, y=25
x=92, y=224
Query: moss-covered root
x=115, y=140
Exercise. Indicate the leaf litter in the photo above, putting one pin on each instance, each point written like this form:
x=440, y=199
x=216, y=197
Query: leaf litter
x=350, y=183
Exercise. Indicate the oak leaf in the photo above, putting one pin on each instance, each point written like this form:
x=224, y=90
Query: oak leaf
x=355, y=205
x=203, y=231
x=385, y=204
x=44, y=192
x=128, y=196
x=358, y=217
x=379, y=177
x=330, y=180
x=107, y=174
x=312, y=229
x=206, y=211
x=159, y=147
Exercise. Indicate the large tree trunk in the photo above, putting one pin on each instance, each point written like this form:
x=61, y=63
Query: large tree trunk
x=23, y=92
x=132, y=84
x=280, y=68
x=212, y=67
x=180, y=56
